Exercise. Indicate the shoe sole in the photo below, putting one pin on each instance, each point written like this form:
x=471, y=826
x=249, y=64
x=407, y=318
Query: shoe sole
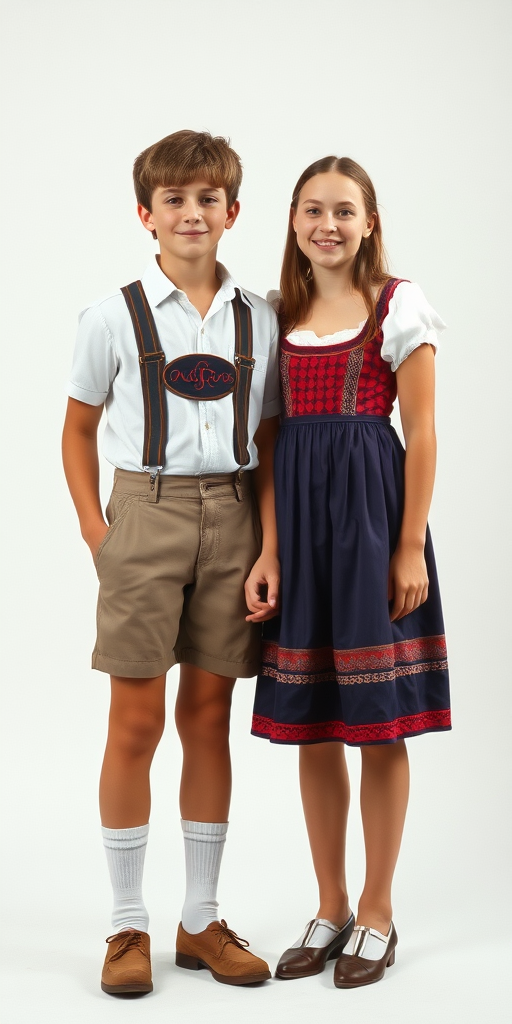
x=192, y=963
x=114, y=990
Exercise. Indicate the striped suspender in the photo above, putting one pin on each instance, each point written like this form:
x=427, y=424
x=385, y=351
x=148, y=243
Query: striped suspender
x=150, y=359
x=155, y=402
x=244, y=366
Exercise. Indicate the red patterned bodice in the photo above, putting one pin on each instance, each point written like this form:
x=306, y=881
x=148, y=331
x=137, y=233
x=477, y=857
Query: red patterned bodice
x=350, y=378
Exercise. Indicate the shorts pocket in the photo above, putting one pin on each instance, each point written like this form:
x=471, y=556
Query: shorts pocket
x=116, y=513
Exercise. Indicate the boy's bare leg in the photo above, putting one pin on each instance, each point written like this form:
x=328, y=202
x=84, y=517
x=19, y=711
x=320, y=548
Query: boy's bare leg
x=136, y=723
x=384, y=797
x=325, y=791
x=203, y=708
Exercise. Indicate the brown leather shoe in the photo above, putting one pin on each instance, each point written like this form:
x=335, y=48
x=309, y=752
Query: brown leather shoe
x=222, y=952
x=303, y=961
x=127, y=966
x=352, y=970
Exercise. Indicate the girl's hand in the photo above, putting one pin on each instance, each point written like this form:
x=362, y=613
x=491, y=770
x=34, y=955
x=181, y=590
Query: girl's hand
x=408, y=581
x=262, y=589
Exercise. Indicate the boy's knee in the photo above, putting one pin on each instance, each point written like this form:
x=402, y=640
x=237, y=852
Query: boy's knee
x=207, y=721
x=138, y=731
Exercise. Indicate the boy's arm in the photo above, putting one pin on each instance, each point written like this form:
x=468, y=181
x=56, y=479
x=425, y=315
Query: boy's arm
x=262, y=585
x=81, y=466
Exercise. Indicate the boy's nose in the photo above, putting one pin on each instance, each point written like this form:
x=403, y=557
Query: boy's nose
x=192, y=213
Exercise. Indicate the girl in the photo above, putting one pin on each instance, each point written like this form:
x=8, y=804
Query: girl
x=358, y=654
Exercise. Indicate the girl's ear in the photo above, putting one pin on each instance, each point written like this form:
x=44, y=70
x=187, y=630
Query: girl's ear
x=370, y=224
x=293, y=219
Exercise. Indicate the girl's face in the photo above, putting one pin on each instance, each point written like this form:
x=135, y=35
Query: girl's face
x=330, y=220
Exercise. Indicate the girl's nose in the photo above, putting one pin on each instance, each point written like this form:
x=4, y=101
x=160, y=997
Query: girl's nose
x=328, y=223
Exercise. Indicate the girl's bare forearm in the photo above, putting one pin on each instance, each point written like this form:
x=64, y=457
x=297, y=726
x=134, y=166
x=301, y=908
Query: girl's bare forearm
x=420, y=467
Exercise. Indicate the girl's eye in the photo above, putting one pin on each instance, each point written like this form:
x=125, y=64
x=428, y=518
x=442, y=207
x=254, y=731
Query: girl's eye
x=313, y=209
x=344, y=213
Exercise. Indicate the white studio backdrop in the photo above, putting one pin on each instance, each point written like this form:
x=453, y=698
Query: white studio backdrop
x=415, y=92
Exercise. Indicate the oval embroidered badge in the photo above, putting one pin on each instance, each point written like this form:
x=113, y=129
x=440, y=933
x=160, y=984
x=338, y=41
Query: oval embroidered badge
x=200, y=376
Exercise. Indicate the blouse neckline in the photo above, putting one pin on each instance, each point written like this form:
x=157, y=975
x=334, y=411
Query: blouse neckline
x=347, y=334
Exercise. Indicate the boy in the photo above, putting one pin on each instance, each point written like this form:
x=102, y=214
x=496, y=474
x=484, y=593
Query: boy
x=185, y=364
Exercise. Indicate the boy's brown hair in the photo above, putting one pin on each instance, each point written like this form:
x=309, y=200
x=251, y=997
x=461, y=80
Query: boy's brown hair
x=183, y=157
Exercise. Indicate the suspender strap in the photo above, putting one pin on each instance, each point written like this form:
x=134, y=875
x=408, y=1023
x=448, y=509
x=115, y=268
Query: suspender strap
x=151, y=359
x=244, y=366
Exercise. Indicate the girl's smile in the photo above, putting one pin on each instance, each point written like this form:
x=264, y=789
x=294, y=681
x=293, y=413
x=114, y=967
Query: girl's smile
x=331, y=220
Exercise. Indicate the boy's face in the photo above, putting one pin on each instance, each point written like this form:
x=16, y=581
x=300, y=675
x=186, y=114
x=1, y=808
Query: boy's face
x=190, y=219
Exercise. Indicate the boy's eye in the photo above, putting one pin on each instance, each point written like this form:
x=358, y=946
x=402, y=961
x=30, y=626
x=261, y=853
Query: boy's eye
x=173, y=200
x=209, y=200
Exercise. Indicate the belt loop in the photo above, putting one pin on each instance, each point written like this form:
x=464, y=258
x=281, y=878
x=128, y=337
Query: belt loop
x=238, y=485
x=154, y=482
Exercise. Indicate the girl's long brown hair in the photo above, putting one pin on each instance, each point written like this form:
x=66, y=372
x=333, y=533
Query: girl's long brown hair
x=370, y=265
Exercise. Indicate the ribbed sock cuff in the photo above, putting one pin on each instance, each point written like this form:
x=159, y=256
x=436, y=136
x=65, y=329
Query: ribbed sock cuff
x=125, y=838
x=205, y=831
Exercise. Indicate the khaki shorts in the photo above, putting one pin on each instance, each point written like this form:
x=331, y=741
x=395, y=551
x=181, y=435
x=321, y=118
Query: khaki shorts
x=172, y=575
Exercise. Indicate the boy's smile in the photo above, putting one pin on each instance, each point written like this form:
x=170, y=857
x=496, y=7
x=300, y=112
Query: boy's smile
x=189, y=220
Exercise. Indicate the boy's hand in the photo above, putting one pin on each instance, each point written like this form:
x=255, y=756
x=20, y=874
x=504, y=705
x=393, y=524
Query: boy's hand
x=94, y=536
x=408, y=581
x=262, y=589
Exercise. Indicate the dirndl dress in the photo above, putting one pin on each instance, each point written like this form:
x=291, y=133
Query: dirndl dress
x=334, y=667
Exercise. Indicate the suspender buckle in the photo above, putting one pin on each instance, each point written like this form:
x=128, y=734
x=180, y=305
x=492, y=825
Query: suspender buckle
x=238, y=485
x=151, y=357
x=154, y=481
x=246, y=361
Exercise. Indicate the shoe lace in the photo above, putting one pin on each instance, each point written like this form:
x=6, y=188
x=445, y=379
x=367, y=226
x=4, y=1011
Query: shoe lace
x=225, y=935
x=131, y=940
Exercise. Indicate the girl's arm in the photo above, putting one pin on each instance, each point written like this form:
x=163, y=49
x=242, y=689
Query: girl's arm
x=262, y=584
x=408, y=579
x=81, y=466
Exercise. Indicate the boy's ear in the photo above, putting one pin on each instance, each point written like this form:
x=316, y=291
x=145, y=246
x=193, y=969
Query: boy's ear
x=147, y=219
x=232, y=214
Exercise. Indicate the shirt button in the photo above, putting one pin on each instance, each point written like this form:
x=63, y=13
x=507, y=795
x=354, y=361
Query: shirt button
x=207, y=426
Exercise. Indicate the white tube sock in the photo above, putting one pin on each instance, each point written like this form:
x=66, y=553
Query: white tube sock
x=204, y=843
x=125, y=849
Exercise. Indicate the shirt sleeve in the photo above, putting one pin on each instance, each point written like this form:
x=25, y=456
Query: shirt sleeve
x=410, y=322
x=94, y=361
x=274, y=298
x=271, y=396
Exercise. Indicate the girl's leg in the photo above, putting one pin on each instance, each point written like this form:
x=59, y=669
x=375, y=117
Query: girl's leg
x=136, y=723
x=384, y=796
x=203, y=710
x=325, y=791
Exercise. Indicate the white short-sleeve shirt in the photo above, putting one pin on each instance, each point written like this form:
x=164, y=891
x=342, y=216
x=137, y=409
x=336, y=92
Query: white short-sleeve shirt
x=106, y=370
x=409, y=323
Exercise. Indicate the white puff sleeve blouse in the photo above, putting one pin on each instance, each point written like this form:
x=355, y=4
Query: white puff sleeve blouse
x=410, y=322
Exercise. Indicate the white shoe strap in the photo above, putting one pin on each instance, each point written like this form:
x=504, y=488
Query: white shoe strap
x=318, y=933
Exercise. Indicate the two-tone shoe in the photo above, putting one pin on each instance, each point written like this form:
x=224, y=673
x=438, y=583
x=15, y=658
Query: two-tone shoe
x=354, y=969
x=305, y=958
x=127, y=966
x=222, y=952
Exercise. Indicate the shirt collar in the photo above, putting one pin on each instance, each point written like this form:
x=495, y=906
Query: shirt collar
x=158, y=286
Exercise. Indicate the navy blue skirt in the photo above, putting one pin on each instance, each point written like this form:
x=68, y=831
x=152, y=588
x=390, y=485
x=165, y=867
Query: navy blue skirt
x=334, y=667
